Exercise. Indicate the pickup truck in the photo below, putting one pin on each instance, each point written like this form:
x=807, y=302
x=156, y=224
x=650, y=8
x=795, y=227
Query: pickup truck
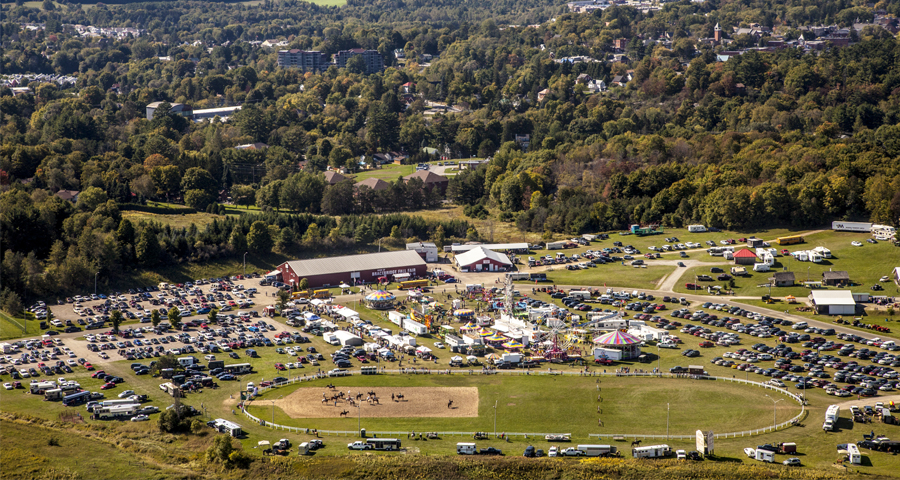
x=571, y=452
x=667, y=345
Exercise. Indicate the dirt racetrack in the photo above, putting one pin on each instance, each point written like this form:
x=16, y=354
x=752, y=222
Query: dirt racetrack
x=417, y=402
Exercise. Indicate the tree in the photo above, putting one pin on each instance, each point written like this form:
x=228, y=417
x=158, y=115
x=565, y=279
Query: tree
x=196, y=178
x=220, y=450
x=167, y=179
x=395, y=232
x=243, y=194
x=283, y=297
x=116, y=318
x=259, y=239
x=213, y=316
x=237, y=240
x=155, y=318
x=12, y=303
x=175, y=318
x=438, y=237
x=198, y=199
x=91, y=198
x=147, y=249
x=304, y=284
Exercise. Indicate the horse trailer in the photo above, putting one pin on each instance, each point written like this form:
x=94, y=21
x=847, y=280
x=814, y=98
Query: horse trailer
x=652, y=451
x=466, y=449
x=383, y=443
x=853, y=454
x=597, y=450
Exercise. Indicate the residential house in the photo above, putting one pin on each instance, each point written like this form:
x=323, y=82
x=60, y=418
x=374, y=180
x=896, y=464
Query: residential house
x=835, y=278
x=431, y=180
x=782, y=279
x=333, y=178
x=70, y=195
x=376, y=184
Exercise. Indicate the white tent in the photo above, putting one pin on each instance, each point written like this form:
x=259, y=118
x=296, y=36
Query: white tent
x=346, y=313
x=423, y=349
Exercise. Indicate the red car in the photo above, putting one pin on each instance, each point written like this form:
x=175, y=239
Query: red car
x=88, y=366
x=107, y=386
x=785, y=251
x=706, y=344
x=603, y=361
x=280, y=366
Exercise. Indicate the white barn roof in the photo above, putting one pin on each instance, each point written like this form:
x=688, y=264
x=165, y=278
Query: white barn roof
x=478, y=254
x=490, y=246
x=356, y=263
x=832, y=297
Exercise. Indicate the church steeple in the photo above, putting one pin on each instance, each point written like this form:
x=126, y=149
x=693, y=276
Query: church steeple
x=718, y=33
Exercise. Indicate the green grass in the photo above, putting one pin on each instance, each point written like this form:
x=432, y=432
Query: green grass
x=566, y=405
x=31, y=455
x=612, y=274
x=12, y=327
x=388, y=172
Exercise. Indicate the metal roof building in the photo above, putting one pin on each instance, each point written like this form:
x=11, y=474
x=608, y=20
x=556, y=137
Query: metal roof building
x=353, y=269
x=513, y=247
x=482, y=260
x=833, y=302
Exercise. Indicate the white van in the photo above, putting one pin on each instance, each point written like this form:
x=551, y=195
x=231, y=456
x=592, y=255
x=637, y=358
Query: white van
x=466, y=449
x=163, y=286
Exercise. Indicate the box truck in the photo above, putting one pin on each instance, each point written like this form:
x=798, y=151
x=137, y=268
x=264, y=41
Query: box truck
x=863, y=227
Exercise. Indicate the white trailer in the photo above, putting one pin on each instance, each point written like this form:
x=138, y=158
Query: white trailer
x=765, y=455
x=696, y=228
x=863, y=227
x=580, y=294
x=853, y=454
x=831, y=417
x=466, y=449
x=652, y=451
x=597, y=450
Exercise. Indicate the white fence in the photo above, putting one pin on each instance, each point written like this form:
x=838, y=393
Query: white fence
x=616, y=436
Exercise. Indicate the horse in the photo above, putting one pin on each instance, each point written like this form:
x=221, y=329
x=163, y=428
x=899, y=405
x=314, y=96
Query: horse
x=399, y=397
x=450, y=404
x=344, y=413
x=636, y=443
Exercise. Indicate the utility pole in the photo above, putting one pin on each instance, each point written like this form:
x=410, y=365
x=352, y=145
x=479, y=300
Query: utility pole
x=245, y=264
x=95, y=282
x=495, y=418
x=667, y=422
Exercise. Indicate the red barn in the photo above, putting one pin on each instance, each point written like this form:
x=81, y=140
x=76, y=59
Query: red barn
x=352, y=269
x=744, y=256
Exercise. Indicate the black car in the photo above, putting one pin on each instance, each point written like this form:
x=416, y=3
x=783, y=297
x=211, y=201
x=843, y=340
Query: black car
x=529, y=451
x=490, y=451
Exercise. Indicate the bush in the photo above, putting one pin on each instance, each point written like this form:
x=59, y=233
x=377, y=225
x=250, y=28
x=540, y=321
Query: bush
x=53, y=442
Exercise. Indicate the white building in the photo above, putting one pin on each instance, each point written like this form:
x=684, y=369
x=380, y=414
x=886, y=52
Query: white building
x=833, y=302
x=428, y=251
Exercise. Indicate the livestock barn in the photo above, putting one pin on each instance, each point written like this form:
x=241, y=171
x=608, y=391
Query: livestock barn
x=352, y=269
x=483, y=260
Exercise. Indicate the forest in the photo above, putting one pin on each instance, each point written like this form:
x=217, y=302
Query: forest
x=785, y=137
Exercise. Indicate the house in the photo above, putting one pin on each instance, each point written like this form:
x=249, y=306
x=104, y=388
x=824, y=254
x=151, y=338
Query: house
x=428, y=251
x=481, y=259
x=431, y=180
x=621, y=80
x=524, y=141
x=782, y=279
x=376, y=184
x=70, y=195
x=543, y=94
x=835, y=278
x=333, y=178
x=754, y=242
x=583, y=78
x=620, y=43
x=744, y=256
x=408, y=87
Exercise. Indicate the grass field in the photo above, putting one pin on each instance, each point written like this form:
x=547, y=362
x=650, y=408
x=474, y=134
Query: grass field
x=612, y=274
x=566, y=405
x=12, y=327
x=388, y=172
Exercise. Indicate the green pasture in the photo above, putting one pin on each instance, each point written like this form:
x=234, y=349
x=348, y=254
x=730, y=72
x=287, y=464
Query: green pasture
x=387, y=172
x=612, y=274
x=566, y=404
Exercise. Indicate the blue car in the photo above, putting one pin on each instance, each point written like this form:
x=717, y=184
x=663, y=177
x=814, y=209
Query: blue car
x=203, y=310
